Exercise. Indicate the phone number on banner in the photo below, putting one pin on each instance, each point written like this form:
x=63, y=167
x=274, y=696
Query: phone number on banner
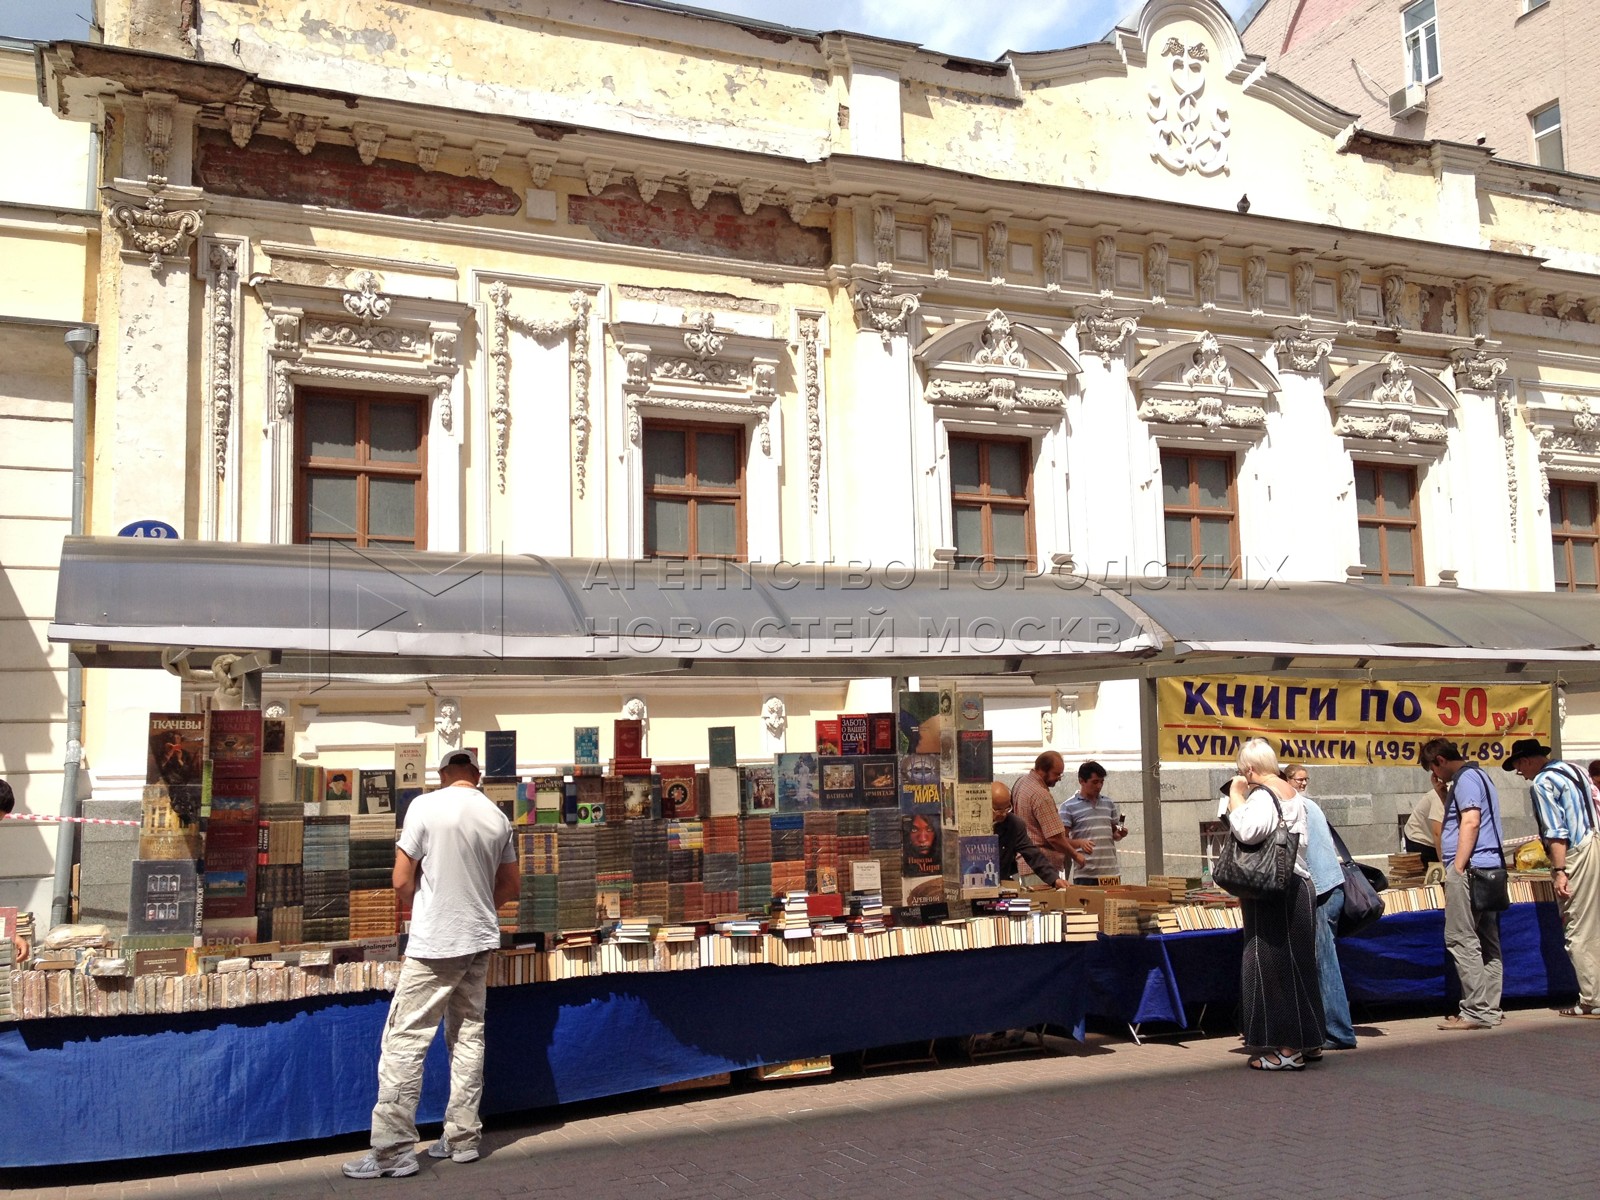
x=1389, y=751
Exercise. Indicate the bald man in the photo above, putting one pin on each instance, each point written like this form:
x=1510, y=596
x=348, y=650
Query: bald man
x=1014, y=840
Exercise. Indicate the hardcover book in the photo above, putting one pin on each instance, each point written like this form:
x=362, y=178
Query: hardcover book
x=640, y=801
x=919, y=723
x=827, y=738
x=679, y=794
x=855, y=734
x=586, y=745
x=176, y=758
x=980, y=866
x=921, y=851
x=969, y=710
x=866, y=875
x=919, y=782
x=628, y=738
x=504, y=796
x=234, y=743
x=841, y=782
x=974, y=809
x=723, y=746
x=722, y=792
x=377, y=792
x=339, y=794
x=163, y=897
x=547, y=792
x=882, y=732
x=880, y=786
x=500, y=754
x=796, y=779
x=410, y=765
x=760, y=789
x=975, y=756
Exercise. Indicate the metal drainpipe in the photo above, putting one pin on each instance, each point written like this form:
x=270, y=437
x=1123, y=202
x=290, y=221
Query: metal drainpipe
x=80, y=341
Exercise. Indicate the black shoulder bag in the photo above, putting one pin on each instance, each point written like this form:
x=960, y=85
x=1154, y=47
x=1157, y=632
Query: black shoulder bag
x=1489, y=888
x=1261, y=871
x=1362, y=904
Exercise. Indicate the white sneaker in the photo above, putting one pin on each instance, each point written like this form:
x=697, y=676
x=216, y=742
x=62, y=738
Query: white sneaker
x=369, y=1167
x=441, y=1149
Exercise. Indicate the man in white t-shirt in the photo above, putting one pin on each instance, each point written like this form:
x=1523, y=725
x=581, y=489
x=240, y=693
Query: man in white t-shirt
x=456, y=864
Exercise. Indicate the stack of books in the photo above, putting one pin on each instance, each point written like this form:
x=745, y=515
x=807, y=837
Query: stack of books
x=1120, y=917
x=577, y=891
x=1079, y=926
x=1405, y=870
x=790, y=915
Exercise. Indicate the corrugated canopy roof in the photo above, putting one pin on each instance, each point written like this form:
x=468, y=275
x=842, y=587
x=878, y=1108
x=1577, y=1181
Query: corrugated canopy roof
x=332, y=608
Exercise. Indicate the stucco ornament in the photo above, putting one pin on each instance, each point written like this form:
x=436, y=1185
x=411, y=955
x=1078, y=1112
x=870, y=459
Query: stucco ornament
x=885, y=313
x=1189, y=134
x=154, y=231
x=998, y=346
x=447, y=723
x=635, y=709
x=774, y=716
x=366, y=303
x=1299, y=350
x=1156, y=271
x=703, y=340
x=575, y=329
x=1103, y=332
x=811, y=370
x=1477, y=369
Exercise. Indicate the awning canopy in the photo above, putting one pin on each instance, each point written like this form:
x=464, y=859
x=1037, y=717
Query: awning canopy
x=335, y=609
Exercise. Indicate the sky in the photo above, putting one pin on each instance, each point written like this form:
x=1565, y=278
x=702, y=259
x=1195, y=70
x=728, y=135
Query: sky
x=965, y=28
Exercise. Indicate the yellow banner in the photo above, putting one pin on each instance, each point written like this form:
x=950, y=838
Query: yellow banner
x=1329, y=722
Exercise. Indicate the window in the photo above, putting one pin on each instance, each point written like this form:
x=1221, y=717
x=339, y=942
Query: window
x=1421, y=42
x=990, y=491
x=1386, y=521
x=1198, y=500
x=1547, y=137
x=1575, y=536
x=693, y=490
x=361, y=462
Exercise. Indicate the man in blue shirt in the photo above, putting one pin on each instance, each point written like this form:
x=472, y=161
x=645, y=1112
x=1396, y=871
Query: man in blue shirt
x=1327, y=880
x=1470, y=836
x=1566, y=815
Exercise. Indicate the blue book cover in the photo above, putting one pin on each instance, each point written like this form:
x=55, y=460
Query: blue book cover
x=500, y=754
x=586, y=745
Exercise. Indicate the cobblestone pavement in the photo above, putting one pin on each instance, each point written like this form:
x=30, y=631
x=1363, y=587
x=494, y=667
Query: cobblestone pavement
x=1412, y=1112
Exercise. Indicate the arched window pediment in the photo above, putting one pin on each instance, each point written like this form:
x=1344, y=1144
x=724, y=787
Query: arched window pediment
x=1203, y=383
x=1394, y=402
x=998, y=364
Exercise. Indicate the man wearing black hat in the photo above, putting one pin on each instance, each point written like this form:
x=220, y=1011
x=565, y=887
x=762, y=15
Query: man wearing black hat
x=1565, y=810
x=456, y=859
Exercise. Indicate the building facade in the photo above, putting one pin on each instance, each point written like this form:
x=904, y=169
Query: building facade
x=1505, y=74
x=609, y=280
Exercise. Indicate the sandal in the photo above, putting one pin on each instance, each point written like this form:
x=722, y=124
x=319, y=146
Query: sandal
x=1577, y=1010
x=1278, y=1061
x=1313, y=1054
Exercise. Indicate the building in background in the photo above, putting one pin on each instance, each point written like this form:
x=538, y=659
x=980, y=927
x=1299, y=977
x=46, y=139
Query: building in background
x=50, y=248
x=625, y=281
x=1510, y=75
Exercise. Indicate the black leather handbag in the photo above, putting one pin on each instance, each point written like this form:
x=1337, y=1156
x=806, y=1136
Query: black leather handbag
x=1261, y=871
x=1362, y=904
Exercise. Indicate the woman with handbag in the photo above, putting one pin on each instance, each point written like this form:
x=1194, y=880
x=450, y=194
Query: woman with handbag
x=1281, y=998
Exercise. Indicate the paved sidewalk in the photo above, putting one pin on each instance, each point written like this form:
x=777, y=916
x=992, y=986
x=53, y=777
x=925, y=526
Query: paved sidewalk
x=1107, y=1119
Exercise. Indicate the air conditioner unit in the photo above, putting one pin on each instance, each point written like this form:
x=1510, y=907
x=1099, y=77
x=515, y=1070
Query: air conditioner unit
x=1413, y=98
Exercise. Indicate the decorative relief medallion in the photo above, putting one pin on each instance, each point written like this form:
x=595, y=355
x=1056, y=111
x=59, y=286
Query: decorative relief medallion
x=1196, y=385
x=1103, y=332
x=1298, y=350
x=998, y=346
x=884, y=312
x=1189, y=135
x=703, y=340
x=153, y=231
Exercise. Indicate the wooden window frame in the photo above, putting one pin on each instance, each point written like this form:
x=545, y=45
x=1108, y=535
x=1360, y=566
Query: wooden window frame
x=362, y=467
x=1384, y=522
x=693, y=491
x=1193, y=512
x=1569, y=541
x=987, y=501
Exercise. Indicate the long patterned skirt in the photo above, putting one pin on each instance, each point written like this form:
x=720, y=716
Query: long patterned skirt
x=1281, y=1002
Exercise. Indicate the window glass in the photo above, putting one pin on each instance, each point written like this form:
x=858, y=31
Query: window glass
x=1583, y=564
x=391, y=507
x=1212, y=475
x=1370, y=557
x=965, y=472
x=1366, y=492
x=332, y=504
x=969, y=531
x=1010, y=527
x=716, y=528
x=1547, y=138
x=1007, y=476
x=1397, y=493
x=666, y=526
x=1216, y=541
x=1178, y=547
x=1578, y=508
x=1175, y=482
x=330, y=427
x=392, y=432
x=1399, y=546
x=665, y=458
x=1559, y=555
x=717, y=459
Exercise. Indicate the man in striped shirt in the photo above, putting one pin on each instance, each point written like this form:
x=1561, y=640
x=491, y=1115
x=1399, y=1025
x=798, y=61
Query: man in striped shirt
x=1093, y=818
x=1566, y=814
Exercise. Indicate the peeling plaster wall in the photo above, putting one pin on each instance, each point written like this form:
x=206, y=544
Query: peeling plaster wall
x=540, y=62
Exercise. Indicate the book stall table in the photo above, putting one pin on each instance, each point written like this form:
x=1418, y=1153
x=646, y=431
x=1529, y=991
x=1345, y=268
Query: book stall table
x=130, y=1087
x=1400, y=960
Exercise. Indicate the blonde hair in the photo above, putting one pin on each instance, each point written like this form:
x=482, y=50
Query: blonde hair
x=1258, y=755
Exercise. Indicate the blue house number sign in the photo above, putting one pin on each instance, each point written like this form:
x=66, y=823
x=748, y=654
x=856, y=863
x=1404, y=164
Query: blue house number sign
x=148, y=529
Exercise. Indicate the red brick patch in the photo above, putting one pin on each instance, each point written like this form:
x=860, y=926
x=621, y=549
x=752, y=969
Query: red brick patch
x=721, y=229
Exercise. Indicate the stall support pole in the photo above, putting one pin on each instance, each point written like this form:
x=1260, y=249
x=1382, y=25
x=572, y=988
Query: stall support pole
x=1155, y=861
x=1555, y=718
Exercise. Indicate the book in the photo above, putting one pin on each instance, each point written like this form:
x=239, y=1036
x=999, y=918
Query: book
x=339, y=794
x=866, y=875
x=919, y=723
x=679, y=791
x=795, y=776
x=855, y=734
x=974, y=809
x=163, y=896
x=410, y=769
x=722, y=746
x=759, y=789
x=176, y=758
x=841, y=782
x=165, y=832
x=233, y=743
x=919, y=782
x=722, y=792
x=504, y=796
x=975, y=756
x=980, y=866
x=921, y=851
x=880, y=782
x=883, y=740
x=640, y=800
x=828, y=736
x=627, y=739
x=500, y=754
x=377, y=792
x=969, y=710
x=547, y=793
x=586, y=745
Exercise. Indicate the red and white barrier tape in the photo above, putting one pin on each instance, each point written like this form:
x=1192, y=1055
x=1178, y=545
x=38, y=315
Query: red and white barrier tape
x=48, y=820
